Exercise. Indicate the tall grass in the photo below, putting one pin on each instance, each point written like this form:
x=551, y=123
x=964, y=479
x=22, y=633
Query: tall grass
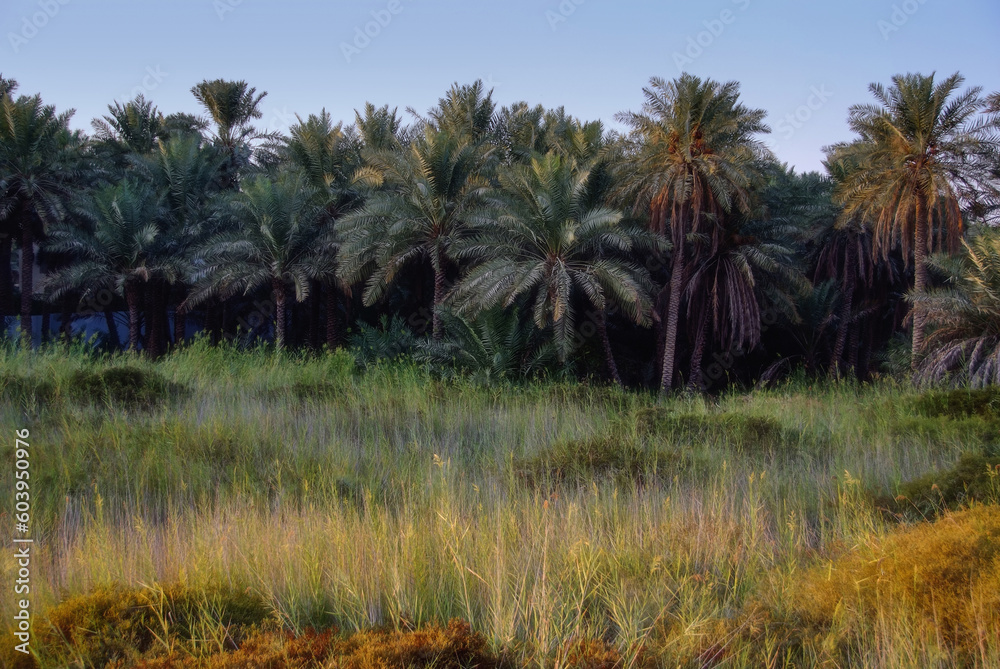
x=682, y=530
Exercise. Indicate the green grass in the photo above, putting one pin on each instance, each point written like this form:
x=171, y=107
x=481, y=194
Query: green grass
x=670, y=531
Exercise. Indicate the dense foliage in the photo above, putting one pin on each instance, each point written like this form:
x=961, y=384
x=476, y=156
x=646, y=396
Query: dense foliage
x=678, y=253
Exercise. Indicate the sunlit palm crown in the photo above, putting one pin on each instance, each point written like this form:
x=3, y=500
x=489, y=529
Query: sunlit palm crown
x=693, y=144
x=920, y=141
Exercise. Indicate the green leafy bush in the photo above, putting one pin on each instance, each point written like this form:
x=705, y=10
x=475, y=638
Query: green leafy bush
x=974, y=478
x=603, y=457
x=118, y=624
x=984, y=402
x=744, y=432
x=132, y=387
x=24, y=390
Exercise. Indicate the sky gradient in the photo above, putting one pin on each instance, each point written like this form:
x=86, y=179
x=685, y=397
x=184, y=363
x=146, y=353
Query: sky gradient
x=804, y=62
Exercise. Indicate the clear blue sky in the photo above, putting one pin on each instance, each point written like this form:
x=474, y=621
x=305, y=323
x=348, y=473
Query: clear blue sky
x=592, y=56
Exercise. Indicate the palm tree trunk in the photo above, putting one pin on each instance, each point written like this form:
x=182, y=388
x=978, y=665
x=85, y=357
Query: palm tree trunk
x=27, y=275
x=921, y=278
x=224, y=320
x=46, y=324
x=152, y=322
x=332, y=317
x=315, y=307
x=278, y=286
x=439, y=279
x=673, y=315
x=846, y=308
x=609, y=358
x=213, y=321
x=162, y=316
x=696, y=383
x=6, y=277
x=180, y=319
x=852, y=351
x=65, y=320
x=109, y=321
x=132, y=300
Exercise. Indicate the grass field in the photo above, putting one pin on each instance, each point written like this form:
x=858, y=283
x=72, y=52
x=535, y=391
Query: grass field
x=221, y=508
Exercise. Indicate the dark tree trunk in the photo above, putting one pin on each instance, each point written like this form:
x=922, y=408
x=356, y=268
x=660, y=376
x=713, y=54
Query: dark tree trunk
x=921, y=278
x=224, y=325
x=609, y=358
x=846, y=309
x=153, y=335
x=696, y=380
x=213, y=321
x=332, y=317
x=66, y=320
x=132, y=296
x=27, y=276
x=6, y=276
x=673, y=314
x=315, y=315
x=180, y=326
x=439, y=281
x=46, y=324
x=109, y=321
x=278, y=286
x=164, y=307
x=852, y=350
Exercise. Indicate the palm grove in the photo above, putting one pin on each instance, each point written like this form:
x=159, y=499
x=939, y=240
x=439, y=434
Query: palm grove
x=519, y=241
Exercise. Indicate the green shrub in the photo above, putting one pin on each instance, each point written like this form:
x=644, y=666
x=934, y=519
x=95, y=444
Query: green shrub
x=131, y=387
x=120, y=624
x=974, y=478
x=602, y=457
x=984, y=402
x=743, y=432
x=24, y=390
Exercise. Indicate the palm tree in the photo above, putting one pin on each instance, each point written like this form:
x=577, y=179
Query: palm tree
x=499, y=345
x=964, y=319
x=379, y=128
x=692, y=159
x=465, y=112
x=233, y=106
x=130, y=128
x=921, y=154
x=275, y=242
x=35, y=151
x=752, y=265
x=549, y=245
x=431, y=191
x=328, y=158
x=121, y=245
x=184, y=172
